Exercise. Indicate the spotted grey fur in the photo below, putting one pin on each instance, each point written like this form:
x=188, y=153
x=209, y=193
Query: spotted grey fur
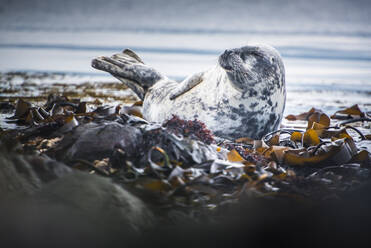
x=244, y=95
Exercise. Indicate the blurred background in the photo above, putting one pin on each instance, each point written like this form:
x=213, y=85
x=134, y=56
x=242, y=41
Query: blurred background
x=325, y=45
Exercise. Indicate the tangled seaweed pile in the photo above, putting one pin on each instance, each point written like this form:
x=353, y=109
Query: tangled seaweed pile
x=182, y=165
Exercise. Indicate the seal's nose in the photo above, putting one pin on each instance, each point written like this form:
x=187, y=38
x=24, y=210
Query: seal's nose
x=224, y=59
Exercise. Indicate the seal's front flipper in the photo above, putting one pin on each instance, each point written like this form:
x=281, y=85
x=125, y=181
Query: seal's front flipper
x=187, y=84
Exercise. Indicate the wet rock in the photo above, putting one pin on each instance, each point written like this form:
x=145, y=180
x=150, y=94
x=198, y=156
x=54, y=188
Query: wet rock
x=93, y=141
x=6, y=108
x=98, y=199
x=17, y=176
x=44, y=198
x=24, y=174
x=77, y=208
x=47, y=169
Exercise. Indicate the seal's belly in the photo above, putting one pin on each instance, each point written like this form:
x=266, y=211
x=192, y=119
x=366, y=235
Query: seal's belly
x=228, y=112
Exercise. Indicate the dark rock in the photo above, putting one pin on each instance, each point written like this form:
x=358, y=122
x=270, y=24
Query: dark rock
x=17, y=176
x=47, y=169
x=6, y=107
x=98, y=199
x=24, y=174
x=44, y=202
x=94, y=141
x=77, y=208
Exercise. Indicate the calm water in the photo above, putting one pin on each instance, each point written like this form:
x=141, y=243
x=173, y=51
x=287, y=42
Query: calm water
x=325, y=45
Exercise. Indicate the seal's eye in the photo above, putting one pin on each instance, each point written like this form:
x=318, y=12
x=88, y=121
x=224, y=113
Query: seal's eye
x=272, y=60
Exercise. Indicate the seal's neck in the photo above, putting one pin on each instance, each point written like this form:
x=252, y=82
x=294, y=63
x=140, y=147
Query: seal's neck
x=215, y=74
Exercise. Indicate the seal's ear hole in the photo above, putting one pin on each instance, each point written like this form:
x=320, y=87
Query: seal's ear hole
x=273, y=60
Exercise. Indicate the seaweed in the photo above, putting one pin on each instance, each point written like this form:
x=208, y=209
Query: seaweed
x=183, y=165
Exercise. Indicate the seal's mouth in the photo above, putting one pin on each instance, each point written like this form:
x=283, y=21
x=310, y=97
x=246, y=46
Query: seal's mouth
x=226, y=59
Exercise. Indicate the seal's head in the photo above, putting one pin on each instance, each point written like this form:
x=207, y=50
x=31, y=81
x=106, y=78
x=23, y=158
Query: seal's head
x=251, y=65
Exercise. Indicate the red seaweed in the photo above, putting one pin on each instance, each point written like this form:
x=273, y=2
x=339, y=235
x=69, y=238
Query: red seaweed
x=188, y=128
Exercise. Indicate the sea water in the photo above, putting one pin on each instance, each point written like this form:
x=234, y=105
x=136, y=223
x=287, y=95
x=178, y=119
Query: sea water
x=325, y=45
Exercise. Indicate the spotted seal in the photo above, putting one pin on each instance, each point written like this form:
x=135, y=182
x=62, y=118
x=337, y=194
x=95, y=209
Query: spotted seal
x=244, y=95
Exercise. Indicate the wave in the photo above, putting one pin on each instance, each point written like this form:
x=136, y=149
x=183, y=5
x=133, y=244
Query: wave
x=286, y=51
x=197, y=31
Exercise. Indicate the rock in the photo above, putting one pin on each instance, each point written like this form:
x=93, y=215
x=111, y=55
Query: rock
x=48, y=204
x=76, y=209
x=17, y=176
x=93, y=141
x=99, y=200
x=24, y=174
x=6, y=108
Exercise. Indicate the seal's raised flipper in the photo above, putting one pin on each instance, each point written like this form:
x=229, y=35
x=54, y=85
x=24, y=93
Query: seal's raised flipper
x=132, y=54
x=129, y=68
x=133, y=86
x=187, y=84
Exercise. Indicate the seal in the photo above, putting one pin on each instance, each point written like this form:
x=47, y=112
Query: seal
x=244, y=95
